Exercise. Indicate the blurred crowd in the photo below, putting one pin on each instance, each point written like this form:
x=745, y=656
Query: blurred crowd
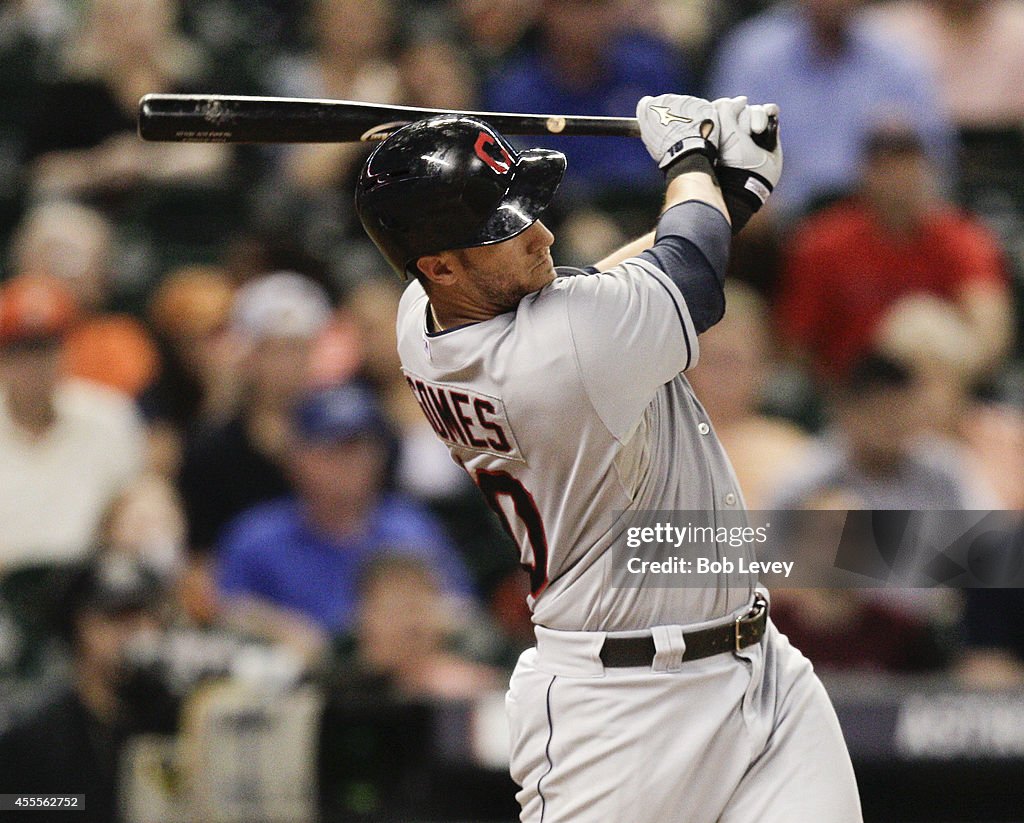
x=204, y=428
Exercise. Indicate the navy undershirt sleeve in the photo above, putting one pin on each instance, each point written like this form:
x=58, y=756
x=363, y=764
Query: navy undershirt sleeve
x=692, y=247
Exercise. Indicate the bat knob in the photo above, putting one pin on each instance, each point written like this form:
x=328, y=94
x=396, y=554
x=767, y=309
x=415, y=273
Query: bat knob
x=769, y=138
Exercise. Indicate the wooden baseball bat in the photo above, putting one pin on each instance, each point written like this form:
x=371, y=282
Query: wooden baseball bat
x=218, y=118
x=221, y=118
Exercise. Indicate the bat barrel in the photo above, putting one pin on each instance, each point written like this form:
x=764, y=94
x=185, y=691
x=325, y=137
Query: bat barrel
x=226, y=119
x=210, y=118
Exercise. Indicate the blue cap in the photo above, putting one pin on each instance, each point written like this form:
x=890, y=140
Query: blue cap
x=340, y=413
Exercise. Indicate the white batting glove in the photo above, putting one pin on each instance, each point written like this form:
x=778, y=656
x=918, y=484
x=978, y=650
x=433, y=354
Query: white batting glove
x=675, y=125
x=746, y=172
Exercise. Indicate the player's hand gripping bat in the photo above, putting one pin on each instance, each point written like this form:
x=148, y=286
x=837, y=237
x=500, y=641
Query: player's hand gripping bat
x=219, y=118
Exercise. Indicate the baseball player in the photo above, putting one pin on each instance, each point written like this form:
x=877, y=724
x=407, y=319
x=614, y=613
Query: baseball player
x=561, y=393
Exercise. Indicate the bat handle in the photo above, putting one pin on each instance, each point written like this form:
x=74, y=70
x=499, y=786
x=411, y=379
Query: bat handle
x=769, y=138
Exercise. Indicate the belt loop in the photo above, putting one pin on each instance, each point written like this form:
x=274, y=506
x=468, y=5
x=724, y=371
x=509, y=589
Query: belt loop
x=669, y=648
x=756, y=610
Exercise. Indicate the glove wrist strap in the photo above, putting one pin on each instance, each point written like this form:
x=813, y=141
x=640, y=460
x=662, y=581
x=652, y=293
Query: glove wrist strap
x=744, y=193
x=688, y=145
x=686, y=163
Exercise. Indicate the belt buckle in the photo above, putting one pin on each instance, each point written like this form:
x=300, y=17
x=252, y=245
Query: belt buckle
x=758, y=607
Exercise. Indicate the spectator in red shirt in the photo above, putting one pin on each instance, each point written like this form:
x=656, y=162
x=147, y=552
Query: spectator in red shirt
x=850, y=263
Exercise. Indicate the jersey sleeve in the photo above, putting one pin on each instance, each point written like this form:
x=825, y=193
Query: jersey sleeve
x=632, y=332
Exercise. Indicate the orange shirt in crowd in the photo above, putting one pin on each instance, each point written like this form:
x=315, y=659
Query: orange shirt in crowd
x=114, y=350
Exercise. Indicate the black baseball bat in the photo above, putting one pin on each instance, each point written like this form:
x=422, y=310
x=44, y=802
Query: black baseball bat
x=217, y=118
x=221, y=118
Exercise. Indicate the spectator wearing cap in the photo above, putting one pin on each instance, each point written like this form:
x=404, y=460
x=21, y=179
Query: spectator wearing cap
x=850, y=264
x=299, y=558
x=73, y=743
x=67, y=448
x=878, y=453
x=275, y=322
x=75, y=244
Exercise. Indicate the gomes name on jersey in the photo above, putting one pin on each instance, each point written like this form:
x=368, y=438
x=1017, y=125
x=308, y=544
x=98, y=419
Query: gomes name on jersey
x=465, y=419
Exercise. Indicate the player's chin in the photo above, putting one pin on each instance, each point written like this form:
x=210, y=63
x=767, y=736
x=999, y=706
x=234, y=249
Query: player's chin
x=543, y=273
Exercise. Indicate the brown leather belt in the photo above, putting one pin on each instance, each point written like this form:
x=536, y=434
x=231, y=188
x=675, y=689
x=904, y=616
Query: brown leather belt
x=623, y=652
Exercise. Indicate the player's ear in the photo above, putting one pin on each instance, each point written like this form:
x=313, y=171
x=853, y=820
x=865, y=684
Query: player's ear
x=437, y=268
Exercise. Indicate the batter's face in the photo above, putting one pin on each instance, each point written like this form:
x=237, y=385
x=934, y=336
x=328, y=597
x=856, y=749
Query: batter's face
x=503, y=274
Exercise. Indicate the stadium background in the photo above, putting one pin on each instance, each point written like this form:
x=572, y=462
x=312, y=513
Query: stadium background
x=170, y=518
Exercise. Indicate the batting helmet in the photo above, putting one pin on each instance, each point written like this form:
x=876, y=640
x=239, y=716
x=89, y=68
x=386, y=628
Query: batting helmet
x=451, y=182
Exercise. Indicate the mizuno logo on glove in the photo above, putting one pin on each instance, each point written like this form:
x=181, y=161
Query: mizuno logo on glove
x=666, y=116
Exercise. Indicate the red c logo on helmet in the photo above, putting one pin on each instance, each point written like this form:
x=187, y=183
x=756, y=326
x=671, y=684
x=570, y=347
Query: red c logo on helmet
x=501, y=166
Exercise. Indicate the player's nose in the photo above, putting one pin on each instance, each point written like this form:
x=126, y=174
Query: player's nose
x=540, y=237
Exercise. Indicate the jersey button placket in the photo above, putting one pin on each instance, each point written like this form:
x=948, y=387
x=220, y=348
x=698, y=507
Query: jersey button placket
x=703, y=428
x=730, y=499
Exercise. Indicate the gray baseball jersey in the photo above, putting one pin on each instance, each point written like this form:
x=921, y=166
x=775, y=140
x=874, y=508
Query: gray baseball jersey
x=567, y=410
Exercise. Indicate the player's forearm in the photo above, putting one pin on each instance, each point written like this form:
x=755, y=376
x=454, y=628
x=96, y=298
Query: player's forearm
x=696, y=185
x=699, y=184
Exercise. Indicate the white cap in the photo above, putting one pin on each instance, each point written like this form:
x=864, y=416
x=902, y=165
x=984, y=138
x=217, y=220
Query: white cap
x=282, y=304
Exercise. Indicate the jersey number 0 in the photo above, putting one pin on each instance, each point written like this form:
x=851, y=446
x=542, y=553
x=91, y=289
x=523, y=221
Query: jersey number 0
x=494, y=485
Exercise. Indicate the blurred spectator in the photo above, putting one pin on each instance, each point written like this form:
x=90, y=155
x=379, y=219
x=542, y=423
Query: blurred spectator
x=73, y=744
x=402, y=636
x=436, y=74
x=734, y=369
x=147, y=523
x=696, y=27
x=833, y=79
x=994, y=432
x=83, y=136
x=423, y=468
x=28, y=31
x=307, y=194
x=976, y=48
x=351, y=59
x=491, y=29
x=67, y=449
x=242, y=37
x=229, y=466
x=930, y=334
x=588, y=58
x=875, y=635
x=189, y=315
x=77, y=244
x=297, y=560
x=848, y=265
x=879, y=454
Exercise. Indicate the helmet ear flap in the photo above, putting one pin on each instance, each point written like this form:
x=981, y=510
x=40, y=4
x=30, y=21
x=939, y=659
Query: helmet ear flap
x=450, y=182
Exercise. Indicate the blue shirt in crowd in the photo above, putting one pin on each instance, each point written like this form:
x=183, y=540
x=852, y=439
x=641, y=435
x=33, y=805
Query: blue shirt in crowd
x=636, y=64
x=828, y=103
x=272, y=552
